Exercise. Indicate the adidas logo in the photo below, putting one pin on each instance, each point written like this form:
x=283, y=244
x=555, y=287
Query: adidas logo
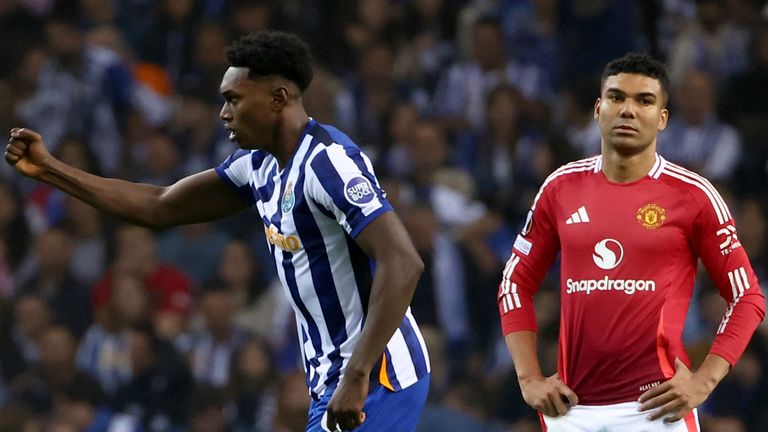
x=580, y=216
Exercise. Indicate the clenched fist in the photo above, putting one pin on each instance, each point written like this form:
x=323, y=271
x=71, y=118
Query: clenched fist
x=26, y=152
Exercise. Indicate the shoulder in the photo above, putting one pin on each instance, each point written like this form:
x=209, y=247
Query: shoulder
x=332, y=146
x=570, y=172
x=697, y=188
x=251, y=158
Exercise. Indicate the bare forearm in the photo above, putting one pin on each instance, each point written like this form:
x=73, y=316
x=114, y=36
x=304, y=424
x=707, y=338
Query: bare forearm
x=522, y=348
x=712, y=370
x=131, y=202
x=392, y=290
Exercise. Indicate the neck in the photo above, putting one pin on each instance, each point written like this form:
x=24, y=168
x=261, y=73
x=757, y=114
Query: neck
x=287, y=134
x=621, y=168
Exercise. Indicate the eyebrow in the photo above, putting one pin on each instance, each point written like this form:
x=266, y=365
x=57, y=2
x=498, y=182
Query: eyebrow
x=622, y=92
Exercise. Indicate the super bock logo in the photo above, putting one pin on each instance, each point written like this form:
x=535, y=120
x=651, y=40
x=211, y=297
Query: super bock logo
x=358, y=191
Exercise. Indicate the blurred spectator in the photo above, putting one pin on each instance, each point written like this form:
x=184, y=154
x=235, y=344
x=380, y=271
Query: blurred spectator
x=711, y=43
x=207, y=408
x=592, y=33
x=530, y=28
x=439, y=299
x=32, y=316
x=397, y=160
x=581, y=130
x=12, y=361
x=365, y=23
x=14, y=231
x=104, y=351
x=501, y=155
x=459, y=100
x=744, y=104
x=253, y=387
x=56, y=370
x=292, y=403
x=260, y=305
x=167, y=37
x=168, y=288
x=156, y=160
x=194, y=249
x=45, y=204
x=740, y=399
x=430, y=30
x=81, y=90
x=82, y=406
x=157, y=396
x=374, y=92
x=52, y=280
x=695, y=137
x=210, y=348
x=90, y=246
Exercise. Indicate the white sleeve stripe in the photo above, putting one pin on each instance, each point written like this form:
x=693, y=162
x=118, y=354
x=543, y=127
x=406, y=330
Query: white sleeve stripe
x=744, y=277
x=514, y=294
x=723, y=215
x=709, y=186
x=739, y=283
x=733, y=285
x=573, y=167
x=704, y=184
x=508, y=270
x=738, y=279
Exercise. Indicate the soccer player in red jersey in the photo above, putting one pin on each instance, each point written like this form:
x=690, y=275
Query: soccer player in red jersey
x=630, y=228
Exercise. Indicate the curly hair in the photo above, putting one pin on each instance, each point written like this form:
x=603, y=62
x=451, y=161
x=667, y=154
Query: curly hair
x=273, y=53
x=642, y=64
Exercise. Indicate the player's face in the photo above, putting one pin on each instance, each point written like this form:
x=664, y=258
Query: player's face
x=247, y=112
x=631, y=111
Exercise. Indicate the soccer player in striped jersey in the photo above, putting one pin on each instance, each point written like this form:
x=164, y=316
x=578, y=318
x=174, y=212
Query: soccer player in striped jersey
x=630, y=228
x=344, y=258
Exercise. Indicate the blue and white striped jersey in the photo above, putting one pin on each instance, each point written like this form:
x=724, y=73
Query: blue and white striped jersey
x=312, y=210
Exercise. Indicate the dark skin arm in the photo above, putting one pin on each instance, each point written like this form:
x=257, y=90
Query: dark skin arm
x=200, y=197
x=548, y=395
x=398, y=268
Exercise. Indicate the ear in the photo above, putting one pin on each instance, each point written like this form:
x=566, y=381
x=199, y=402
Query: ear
x=279, y=98
x=663, y=119
x=597, y=109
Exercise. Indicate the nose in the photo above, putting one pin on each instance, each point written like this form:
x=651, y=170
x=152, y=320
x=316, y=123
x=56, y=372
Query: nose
x=225, y=114
x=627, y=109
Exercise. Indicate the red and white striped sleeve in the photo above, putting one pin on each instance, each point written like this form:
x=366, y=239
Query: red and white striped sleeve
x=716, y=242
x=534, y=252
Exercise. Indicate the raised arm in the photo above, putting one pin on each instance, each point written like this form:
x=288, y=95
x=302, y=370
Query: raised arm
x=398, y=267
x=198, y=198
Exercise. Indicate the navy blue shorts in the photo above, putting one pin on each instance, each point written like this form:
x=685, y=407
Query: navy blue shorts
x=384, y=409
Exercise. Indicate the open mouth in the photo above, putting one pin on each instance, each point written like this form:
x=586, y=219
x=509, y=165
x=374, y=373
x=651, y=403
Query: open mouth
x=232, y=133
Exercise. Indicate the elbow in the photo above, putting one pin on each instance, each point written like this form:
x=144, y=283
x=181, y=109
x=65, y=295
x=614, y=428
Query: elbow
x=413, y=267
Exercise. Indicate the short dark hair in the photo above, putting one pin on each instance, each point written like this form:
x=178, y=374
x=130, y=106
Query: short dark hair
x=273, y=53
x=642, y=64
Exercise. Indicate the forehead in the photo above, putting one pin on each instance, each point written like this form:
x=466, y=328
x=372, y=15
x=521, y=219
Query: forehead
x=233, y=77
x=633, y=83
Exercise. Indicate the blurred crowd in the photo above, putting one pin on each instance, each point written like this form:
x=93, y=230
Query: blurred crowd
x=464, y=106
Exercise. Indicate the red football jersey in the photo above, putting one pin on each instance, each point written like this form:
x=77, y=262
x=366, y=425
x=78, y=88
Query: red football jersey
x=629, y=254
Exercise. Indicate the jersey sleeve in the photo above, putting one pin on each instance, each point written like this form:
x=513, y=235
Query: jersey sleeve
x=235, y=171
x=533, y=253
x=342, y=182
x=717, y=243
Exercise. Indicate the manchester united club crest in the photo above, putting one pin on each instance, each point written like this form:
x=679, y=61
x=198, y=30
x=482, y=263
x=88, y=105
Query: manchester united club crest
x=651, y=216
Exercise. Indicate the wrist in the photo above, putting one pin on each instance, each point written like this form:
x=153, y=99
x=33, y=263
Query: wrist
x=357, y=371
x=528, y=377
